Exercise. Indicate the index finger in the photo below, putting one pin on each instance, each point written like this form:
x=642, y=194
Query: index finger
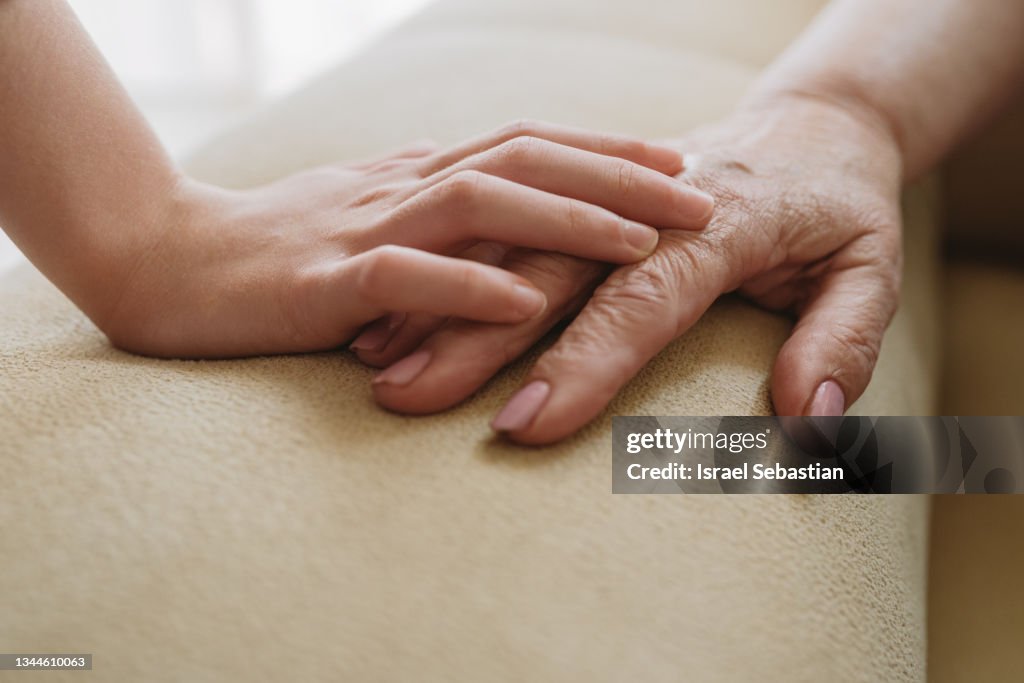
x=657, y=157
x=632, y=317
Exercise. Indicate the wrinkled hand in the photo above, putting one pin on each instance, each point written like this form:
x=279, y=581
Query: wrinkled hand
x=304, y=263
x=807, y=220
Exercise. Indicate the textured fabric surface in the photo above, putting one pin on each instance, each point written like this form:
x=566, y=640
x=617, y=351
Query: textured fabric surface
x=262, y=520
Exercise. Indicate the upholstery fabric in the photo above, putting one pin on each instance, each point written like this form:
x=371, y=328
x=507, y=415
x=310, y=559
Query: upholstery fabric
x=261, y=519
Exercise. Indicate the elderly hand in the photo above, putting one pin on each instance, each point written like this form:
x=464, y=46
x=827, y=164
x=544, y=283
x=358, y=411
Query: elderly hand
x=807, y=220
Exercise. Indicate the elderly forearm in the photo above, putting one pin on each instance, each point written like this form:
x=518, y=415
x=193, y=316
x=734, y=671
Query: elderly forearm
x=83, y=180
x=929, y=71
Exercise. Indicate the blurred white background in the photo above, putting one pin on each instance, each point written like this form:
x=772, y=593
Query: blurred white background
x=195, y=66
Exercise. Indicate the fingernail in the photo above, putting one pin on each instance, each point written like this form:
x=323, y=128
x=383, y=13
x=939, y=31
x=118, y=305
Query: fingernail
x=641, y=238
x=828, y=401
x=528, y=301
x=376, y=336
x=519, y=412
x=404, y=371
x=694, y=204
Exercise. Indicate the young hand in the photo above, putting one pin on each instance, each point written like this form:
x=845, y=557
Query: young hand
x=302, y=264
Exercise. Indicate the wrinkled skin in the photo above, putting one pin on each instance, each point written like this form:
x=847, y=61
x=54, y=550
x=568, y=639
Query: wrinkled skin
x=807, y=220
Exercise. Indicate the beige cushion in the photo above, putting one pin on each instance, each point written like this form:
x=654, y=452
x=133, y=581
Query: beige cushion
x=262, y=520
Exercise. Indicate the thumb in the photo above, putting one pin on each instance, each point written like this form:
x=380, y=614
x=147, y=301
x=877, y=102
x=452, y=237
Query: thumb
x=827, y=362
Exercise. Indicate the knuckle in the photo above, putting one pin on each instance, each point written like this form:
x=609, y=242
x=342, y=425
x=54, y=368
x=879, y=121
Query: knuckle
x=476, y=290
x=378, y=266
x=517, y=151
x=741, y=242
x=518, y=128
x=694, y=261
x=643, y=295
x=470, y=281
x=878, y=211
x=866, y=212
x=389, y=165
x=646, y=284
x=882, y=261
x=461, y=188
x=625, y=177
x=662, y=190
x=575, y=353
x=880, y=251
x=373, y=196
x=858, y=347
x=576, y=218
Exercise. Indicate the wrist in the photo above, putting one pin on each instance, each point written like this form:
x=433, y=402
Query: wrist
x=130, y=271
x=839, y=106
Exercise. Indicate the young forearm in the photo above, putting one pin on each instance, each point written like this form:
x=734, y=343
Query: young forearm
x=169, y=266
x=85, y=186
x=929, y=71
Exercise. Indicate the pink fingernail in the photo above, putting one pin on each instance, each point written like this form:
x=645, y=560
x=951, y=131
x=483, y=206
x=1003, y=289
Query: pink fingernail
x=528, y=301
x=519, y=412
x=828, y=401
x=404, y=371
x=641, y=238
x=694, y=204
x=376, y=336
